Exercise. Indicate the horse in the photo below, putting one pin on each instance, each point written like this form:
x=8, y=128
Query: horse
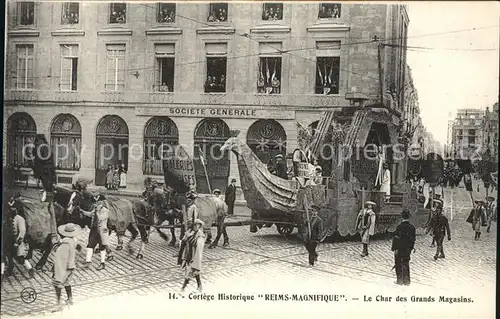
x=134, y=216
x=167, y=208
x=41, y=227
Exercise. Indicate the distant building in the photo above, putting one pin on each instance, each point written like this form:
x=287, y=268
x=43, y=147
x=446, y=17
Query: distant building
x=490, y=132
x=466, y=138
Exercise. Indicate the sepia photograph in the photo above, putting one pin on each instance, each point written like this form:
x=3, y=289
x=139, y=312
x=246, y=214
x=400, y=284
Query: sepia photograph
x=250, y=159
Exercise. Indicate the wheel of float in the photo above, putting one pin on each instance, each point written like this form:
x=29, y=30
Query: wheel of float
x=280, y=229
x=288, y=230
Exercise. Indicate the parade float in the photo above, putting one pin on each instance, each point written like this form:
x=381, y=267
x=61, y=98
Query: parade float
x=352, y=179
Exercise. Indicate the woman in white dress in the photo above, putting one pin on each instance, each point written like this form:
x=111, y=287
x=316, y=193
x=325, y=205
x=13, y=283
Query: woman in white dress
x=123, y=176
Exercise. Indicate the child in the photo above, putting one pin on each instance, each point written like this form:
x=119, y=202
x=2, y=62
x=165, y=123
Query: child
x=116, y=178
x=192, y=254
x=109, y=177
x=123, y=176
x=64, y=261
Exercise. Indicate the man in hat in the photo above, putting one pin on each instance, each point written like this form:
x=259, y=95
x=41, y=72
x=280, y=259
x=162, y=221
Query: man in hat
x=230, y=196
x=366, y=225
x=478, y=216
x=192, y=254
x=64, y=260
x=439, y=226
x=13, y=233
x=192, y=210
x=431, y=215
x=403, y=243
x=314, y=231
x=221, y=216
x=280, y=169
x=491, y=211
x=99, y=233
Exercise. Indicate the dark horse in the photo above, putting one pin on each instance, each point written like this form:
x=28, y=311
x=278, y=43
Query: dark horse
x=167, y=207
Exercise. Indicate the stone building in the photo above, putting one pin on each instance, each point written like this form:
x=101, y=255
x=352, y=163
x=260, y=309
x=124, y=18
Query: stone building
x=467, y=132
x=490, y=132
x=111, y=81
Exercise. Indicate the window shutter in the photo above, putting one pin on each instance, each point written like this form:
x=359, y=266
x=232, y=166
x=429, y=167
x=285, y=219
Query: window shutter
x=110, y=71
x=66, y=64
x=121, y=71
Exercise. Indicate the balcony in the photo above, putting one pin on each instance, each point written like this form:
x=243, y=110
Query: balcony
x=193, y=98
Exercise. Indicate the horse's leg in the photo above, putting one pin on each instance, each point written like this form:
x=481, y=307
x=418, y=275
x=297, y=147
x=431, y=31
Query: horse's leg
x=174, y=239
x=119, y=246
x=144, y=239
x=133, y=230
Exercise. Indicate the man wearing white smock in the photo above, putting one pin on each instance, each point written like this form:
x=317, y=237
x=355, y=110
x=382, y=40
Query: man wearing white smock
x=385, y=186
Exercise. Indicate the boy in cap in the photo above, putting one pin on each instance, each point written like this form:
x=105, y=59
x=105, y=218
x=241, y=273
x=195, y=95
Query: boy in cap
x=366, y=225
x=64, y=260
x=221, y=216
x=439, y=226
x=403, y=243
x=192, y=254
x=312, y=238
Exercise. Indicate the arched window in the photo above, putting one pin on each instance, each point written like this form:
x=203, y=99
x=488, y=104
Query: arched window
x=159, y=130
x=209, y=136
x=66, y=142
x=21, y=132
x=111, y=146
x=267, y=138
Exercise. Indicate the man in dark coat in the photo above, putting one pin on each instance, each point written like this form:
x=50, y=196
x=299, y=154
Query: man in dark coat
x=403, y=243
x=440, y=226
x=280, y=169
x=230, y=196
x=312, y=238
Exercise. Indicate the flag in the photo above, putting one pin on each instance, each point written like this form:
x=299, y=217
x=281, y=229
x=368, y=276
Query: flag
x=320, y=75
x=267, y=72
x=260, y=70
x=330, y=75
x=274, y=72
x=201, y=157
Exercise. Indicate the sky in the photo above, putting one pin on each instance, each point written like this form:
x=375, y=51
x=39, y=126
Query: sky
x=448, y=80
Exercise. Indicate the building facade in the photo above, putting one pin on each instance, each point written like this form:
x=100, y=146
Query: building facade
x=109, y=82
x=467, y=132
x=490, y=132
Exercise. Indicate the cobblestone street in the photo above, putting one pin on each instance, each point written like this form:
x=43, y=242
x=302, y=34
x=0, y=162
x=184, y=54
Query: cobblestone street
x=266, y=262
